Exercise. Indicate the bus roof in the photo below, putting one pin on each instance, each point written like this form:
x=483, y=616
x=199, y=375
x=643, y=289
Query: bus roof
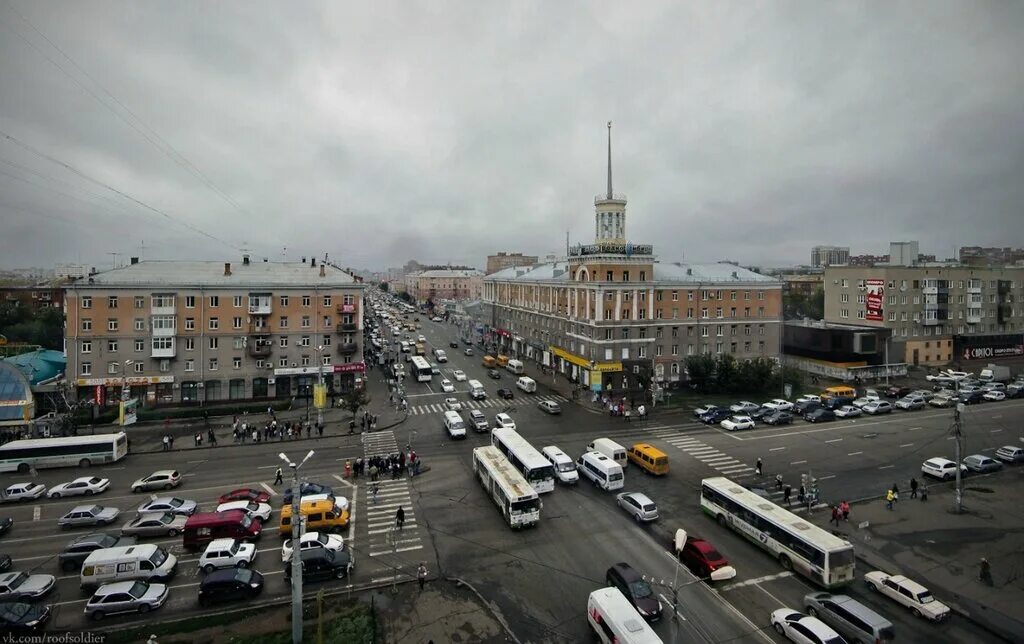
x=795, y=524
x=508, y=477
x=526, y=452
x=94, y=439
x=420, y=362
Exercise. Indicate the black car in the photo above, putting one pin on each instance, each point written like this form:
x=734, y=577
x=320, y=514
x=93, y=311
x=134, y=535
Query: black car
x=454, y=345
x=716, y=416
x=507, y=394
x=19, y=616
x=76, y=552
x=637, y=591
x=972, y=397
x=6, y=523
x=319, y=564
x=836, y=402
x=803, y=407
x=5, y=563
x=494, y=373
x=778, y=418
x=897, y=392
x=230, y=584
x=820, y=415
x=761, y=413
x=307, y=489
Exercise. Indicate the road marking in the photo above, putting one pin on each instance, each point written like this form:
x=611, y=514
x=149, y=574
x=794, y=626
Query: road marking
x=267, y=467
x=269, y=489
x=854, y=453
x=719, y=460
x=776, y=449
x=395, y=551
x=949, y=438
x=667, y=602
x=834, y=440
x=913, y=429
x=200, y=461
x=751, y=582
x=798, y=462
x=37, y=512
x=906, y=444
x=997, y=417
x=995, y=431
x=886, y=467
x=825, y=478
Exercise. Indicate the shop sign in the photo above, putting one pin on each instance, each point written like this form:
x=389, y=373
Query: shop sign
x=571, y=358
x=352, y=367
x=980, y=353
x=131, y=381
x=607, y=367
x=297, y=371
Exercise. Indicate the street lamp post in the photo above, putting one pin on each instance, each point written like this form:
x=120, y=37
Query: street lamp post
x=296, y=550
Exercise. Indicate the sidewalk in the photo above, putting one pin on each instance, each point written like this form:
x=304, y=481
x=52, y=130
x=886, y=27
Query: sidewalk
x=930, y=544
x=444, y=611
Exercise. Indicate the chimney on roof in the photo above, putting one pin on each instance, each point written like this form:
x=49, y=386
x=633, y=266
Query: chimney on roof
x=323, y=272
x=689, y=271
x=227, y=268
x=134, y=260
x=312, y=262
x=245, y=259
x=303, y=259
x=92, y=271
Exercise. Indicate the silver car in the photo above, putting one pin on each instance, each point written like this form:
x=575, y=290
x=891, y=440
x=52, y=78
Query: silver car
x=155, y=524
x=21, y=586
x=125, y=597
x=159, y=480
x=637, y=504
x=982, y=463
x=169, y=504
x=88, y=515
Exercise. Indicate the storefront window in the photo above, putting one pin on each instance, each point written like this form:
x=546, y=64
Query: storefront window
x=189, y=392
x=164, y=393
x=236, y=389
x=260, y=386
x=283, y=386
x=212, y=390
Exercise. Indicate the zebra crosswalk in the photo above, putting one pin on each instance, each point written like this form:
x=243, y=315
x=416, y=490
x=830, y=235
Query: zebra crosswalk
x=492, y=403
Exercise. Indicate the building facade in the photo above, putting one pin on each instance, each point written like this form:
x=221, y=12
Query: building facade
x=938, y=314
x=990, y=256
x=503, y=260
x=441, y=284
x=33, y=297
x=829, y=255
x=198, y=332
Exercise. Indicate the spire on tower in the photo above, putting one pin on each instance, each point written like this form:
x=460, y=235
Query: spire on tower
x=610, y=160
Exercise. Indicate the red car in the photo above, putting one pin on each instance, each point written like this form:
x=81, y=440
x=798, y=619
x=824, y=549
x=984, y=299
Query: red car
x=244, y=494
x=704, y=561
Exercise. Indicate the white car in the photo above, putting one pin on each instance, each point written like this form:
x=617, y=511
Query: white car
x=23, y=492
x=227, y=553
x=422, y=338
x=778, y=404
x=995, y=395
x=704, y=409
x=453, y=404
x=797, y=627
x=744, y=407
x=809, y=398
x=169, y=504
x=941, y=468
x=860, y=402
x=459, y=375
x=504, y=420
x=255, y=510
x=909, y=593
x=737, y=422
x=847, y=411
x=312, y=540
x=82, y=486
x=447, y=386
x=877, y=407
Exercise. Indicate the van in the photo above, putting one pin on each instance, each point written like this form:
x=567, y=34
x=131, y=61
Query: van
x=527, y=384
x=850, y=617
x=440, y=355
x=651, y=459
x=601, y=470
x=479, y=421
x=476, y=390
x=839, y=392
x=515, y=366
x=489, y=362
x=565, y=470
x=614, y=620
x=502, y=360
x=203, y=527
x=609, y=448
x=321, y=516
x=454, y=424
x=146, y=562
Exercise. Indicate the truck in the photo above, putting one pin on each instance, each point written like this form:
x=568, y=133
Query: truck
x=994, y=373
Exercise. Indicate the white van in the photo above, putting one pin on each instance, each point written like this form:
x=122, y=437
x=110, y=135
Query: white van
x=601, y=470
x=609, y=448
x=454, y=424
x=529, y=385
x=476, y=390
x=565, y=469
x=440, y=355
x=515, y=366
x=614, y=619
x=146, y=561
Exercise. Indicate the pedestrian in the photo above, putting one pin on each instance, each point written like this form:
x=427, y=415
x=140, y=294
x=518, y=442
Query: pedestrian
x=778, y=481
x=889, y=497
x=170, y=441
x=255, y=434
x=320, y=429
x=984, y=574
x=212, y=437
x=801, y=494
x=373, y=472
x=167, y=442
x=421, y=573
x=913, y=488
x=278, y=477
x=400, y=518
x=309, y=430
x=895, y=492
x=758, y=467
x=376, y=488
x=835, y=516
x=924, y=491
x=786, y=492
x=195, y=439
x=844, y=508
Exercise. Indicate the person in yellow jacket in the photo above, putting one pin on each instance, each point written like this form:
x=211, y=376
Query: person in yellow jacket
x=890, y=496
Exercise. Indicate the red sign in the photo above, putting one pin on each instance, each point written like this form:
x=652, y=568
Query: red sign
x=357, y=367
x=875, y=298
x=348, y=308
x=99, y=395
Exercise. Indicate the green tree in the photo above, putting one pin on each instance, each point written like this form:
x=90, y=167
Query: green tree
x=44, y=327
x=354, y=400
x=798, y=305
x=700, y=372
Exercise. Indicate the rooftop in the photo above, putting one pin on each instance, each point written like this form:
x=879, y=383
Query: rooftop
x=450, y=272
x=213, y=274
x=674, y=273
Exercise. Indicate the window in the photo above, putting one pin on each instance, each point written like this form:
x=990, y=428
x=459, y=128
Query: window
x=112, y=324
x=760, y=295
x=163, y=301
x=283, y=341
x=190, y=324
x=327, y=300
x=641, y=351
x=306, y=322
x=214, y=324
x=347, y=300
x=214, y=342
x=625, y=333
x=190, y=301
x=140, y=345
x=236, y=322
x=304, y=341
x=86, y=368
x=111, y=346
x=760, y=311
x=643, y=276
x=718, y=312
x=140, y=366
x=87, y=346
x=214, y=301
x=625, y=353
x=305, y=300
x=237, y=302
x=284, y=322
x=239, y=342
x=190, y=344
x=304, y=361
x=732, y=312
x=327, y=361
x=190, y=365
x=608, y=276
x=112, y=302
x=283, y=361
x=140, y=324
x=704, y=313
x=326, y=341
x=140, y=301
x=675, y=349
x=236, y=362
x=284, y=300
x=213, y=364
x=327, y=320
x=608, y=335
x=705, y=331
x=657, y=350
x=112, y=367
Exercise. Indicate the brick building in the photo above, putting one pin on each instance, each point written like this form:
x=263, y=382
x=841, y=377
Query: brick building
x=503, y=260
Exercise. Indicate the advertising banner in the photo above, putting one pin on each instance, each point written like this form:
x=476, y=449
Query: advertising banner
x=875, y=298
x=129, y=412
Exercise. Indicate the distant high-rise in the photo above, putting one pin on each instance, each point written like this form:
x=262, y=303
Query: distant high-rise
x=904, y=253
x=991, y=256
x=829, y=255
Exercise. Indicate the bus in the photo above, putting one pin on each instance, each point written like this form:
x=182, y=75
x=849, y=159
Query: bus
x=73, y=451
x=420, y=368
x=537, y=470
x=799, y=545
x=518, y=502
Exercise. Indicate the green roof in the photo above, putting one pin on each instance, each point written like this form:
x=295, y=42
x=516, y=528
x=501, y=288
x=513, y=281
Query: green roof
x=40, y=365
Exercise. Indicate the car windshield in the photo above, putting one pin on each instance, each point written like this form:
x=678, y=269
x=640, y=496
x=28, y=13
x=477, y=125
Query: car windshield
x=320, y=538
x=530, y=505
x=158, y=557
x=925, y=597
x=243, y=575
x=13, y=612
x=246, y=521
x=235, y=547
x=138, y=589
x=840, y=558
x=566, y=467
x=640, y=589
x=617, y=476
x=713, y=555
x=18, y=580
x=166, y=517
x=175, y=503
x=94, y=480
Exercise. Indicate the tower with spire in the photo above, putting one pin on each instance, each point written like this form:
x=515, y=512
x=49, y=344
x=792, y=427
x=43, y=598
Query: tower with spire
x=610, y=215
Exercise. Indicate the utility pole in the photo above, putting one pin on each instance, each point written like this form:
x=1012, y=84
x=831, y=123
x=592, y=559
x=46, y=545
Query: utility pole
x=958, y=435
x=296, y=549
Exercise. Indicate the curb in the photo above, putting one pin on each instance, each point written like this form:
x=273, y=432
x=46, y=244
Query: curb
x=490, y=607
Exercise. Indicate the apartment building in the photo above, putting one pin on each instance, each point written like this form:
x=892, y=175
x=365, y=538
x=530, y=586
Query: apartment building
x=829, y=255
x=504, y=260
x=938, y=314
x=190, y=332
x=442, y=284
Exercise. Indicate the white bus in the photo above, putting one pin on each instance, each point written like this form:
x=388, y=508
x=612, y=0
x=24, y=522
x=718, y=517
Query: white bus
x=73, y=451
x=517, y=501
x=537, y=470
x=420, y=368
x=798, y=544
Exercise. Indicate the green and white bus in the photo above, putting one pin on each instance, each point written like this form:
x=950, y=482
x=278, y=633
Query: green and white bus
x=798, y=544
x=72, y=451
x=517, y=500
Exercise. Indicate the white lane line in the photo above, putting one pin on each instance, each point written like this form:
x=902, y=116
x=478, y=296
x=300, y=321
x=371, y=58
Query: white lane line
x=834, y=440
x=995, y=431
x=719, y=460
x=200, y=461
x=735, y=470
x=906, y=444
x=266, y=467
x=269, y=489
x=913, y=429
x=751, y=582
x=798, y=462
x=854, y=453
x=997, y=417
x=886, y=467
x=37, y=512
x=825, y=478
x=776, y=449
x=388, y=552
x=949, y=438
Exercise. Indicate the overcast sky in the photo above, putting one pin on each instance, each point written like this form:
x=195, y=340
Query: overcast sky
x=387, y=131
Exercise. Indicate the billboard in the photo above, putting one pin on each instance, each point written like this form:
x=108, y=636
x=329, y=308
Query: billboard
x=875, y=298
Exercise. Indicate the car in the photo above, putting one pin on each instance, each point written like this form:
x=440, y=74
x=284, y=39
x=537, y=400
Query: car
x=760, y=413
x=1015, y=391
x=453, y=404
x=436, y=318
x=703, y=410
x=434, y=369
x=156, y=524
x=478, y=420
x=982, y=464
x=820, y=415
x=82, y=486
x=704, y=560
x=255, y=510
x=454, y=345
x=494, y=374
x=23, y=617
x=804, y=407
x=230, y=584
x=941, y=401
x=245, y=494
x=468, y=351
x=637, y=504
x=994, y=396
x=1010, y=454
x=447, y=386
x=715, y=416
x=125, y=597
x=459, y=375
x=993, y=386
x=734, y=423
x=504, y=420
x=550, y=407
x=170, y=504
x=971, y=397
x=877, y=407
x=636, y=590
x=310, y=541
x=941, y=468
x=320, y=564
x=305, y=489
x=815, y=398
x=847, y=411
x=88, y=515
x=909, y=593
x=778, y=404
x=421, y=338
x=797, y=627
x=778, y=418
x=860, y=402
x=6, y=523
x=79, y=549
x=159, y=480
x=744, y=407
x=506, y=394
x=21, y=586
x=911, y=403
x=28, y=491
x=227, y=553
x=896, y=391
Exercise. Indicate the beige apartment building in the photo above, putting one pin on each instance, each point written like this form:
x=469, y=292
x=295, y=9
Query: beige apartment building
x=938, y=314
x=442, y=284
x=182, y=332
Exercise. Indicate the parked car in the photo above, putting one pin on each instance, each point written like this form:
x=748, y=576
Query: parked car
x=804, y=407
x=877, y=407
x=911, y=403
x=704, y=560
x=82, y=486
x=5, y=563
x=22, y=617
x=704, y=410
x=804, y=629
x=21, y=586
x=28, y=491
x=125, y=597
x=972, y=397
x=320, y=564
x=159, y=480
x=778, y=404
x=994, y=395
x=896, y=391
x=744, y=407
x=636, y=590
x=808, y=398
x=860, y=402
x=230, y=584
x=715, y=416
x=1010, y=454
x=81, y=547
x=820, y=415
x=170, y=504
x=305, y=489
x=550, y=407
x=778, y=418
x=311, y=541
x=245, y=494
x=454, y=345
x=909, y=593
x=227, y=553
x=6, y=523
x=982, y=464
x=88, y=515
x=941, y=468
x=734, y=423
x=156, y=524
x=506, y=394
x=637, y=504
x=494, y=374
x=847, y=411
x=940, y=401
x=459, y=375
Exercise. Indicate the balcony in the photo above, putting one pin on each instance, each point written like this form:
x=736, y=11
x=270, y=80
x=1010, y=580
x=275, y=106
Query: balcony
x=348, y=348
x=259, y=305
x=346, y=327
x=164, y=326
x=973, y=316
x=162, y=351
x=259, y=348
x=974, y=289
x=930, y=290
x=163, y=305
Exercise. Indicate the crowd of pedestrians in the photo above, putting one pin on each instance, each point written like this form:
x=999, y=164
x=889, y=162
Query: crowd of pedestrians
x=395, y=465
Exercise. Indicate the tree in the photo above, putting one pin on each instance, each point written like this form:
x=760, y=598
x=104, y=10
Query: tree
x=798, y=305
x=44, y=326
x=354, y=400
x=404, y=295
x=700, y=372
x=726, y=373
